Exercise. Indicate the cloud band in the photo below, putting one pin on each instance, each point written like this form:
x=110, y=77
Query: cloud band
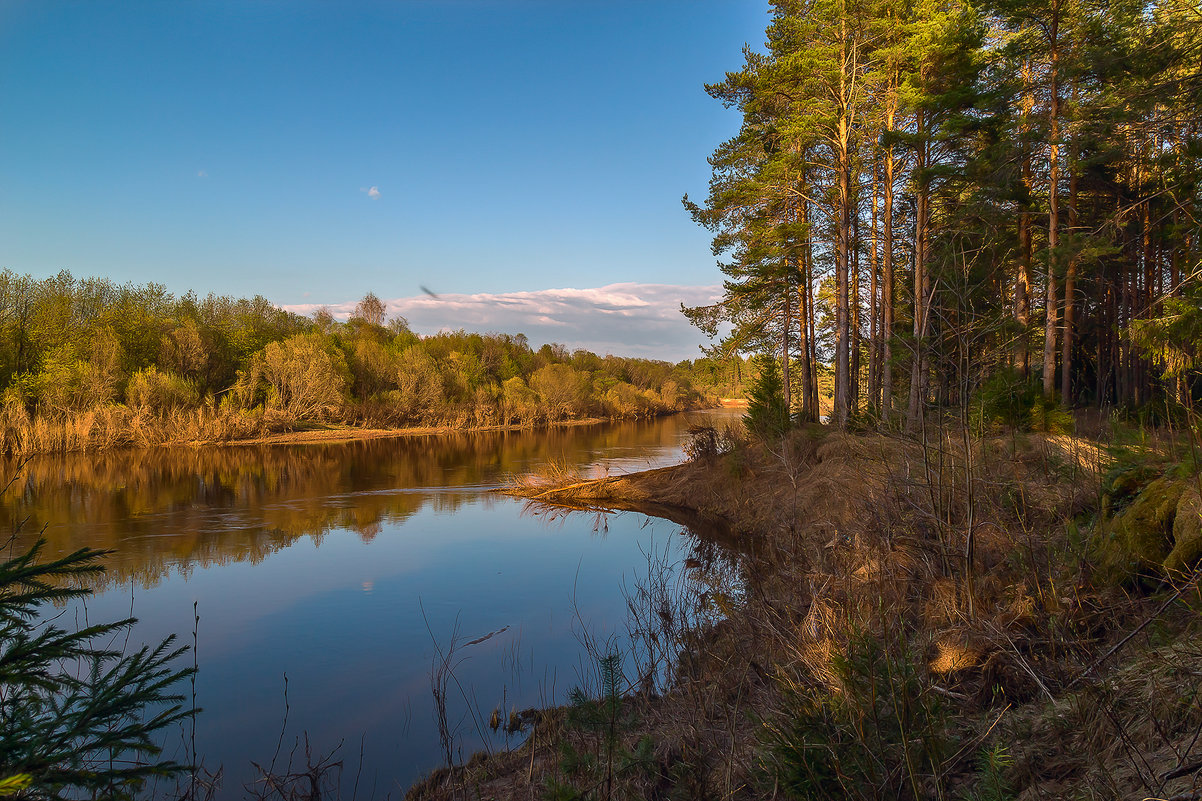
x=627, y=319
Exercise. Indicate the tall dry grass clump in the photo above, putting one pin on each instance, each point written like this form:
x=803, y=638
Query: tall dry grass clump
x=905, y=613
x=117, y=426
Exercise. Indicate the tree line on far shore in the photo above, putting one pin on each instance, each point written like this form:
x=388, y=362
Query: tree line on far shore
x=90, y=363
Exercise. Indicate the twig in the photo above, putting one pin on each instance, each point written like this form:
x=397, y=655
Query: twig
x=1117, y=646
x=1185, y=770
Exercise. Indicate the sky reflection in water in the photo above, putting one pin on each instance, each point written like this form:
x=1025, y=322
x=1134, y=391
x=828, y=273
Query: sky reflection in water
x=334, y=564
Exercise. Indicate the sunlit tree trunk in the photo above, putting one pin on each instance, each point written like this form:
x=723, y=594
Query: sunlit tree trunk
x=874, y=329
x=920, y=364
x=1051, y=297
x=1070, y=280
x=887, y=266
x=842, y=238
x=1022, y=278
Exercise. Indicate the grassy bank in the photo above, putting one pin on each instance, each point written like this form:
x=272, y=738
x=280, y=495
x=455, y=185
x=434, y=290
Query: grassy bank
x=116, y=426
x=1013, y=616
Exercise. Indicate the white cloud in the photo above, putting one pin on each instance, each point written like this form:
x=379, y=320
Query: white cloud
x=202, y=174
x=628, y=319
x=372, y=192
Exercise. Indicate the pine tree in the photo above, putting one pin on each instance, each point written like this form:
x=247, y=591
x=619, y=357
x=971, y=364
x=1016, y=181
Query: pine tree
x=767, y=412
x=1016, y=164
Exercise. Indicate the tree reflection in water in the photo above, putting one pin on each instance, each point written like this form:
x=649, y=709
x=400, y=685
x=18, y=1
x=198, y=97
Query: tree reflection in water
x=175, y=508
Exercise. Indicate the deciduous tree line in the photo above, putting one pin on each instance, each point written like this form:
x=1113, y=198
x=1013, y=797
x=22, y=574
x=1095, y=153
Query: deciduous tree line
x=926, y=195
x=69, y=346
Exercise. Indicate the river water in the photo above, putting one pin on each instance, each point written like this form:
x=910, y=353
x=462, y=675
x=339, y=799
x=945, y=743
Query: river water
x=326, y=577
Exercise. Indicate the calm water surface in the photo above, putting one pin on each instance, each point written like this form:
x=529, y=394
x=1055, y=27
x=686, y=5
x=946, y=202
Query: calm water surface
x=340, y=565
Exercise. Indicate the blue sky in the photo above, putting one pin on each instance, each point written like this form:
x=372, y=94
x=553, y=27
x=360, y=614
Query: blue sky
x=312, y=151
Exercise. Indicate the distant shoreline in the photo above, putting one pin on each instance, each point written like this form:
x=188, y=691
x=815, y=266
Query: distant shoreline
x=321, y=436
x=149, y=438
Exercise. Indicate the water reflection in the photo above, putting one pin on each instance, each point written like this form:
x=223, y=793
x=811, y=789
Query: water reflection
x=178, y=508
x=340, y=565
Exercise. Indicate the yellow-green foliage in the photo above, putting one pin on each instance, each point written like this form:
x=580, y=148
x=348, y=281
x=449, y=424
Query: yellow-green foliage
x=183, y=351
x=1048, y=416
x=625, y=400
x=66, y=383
x=419, y=384
x=92, y=364
x=520, y=402
x=160, y=391
x=305, y=376
x=563, y=390
x=374, y=367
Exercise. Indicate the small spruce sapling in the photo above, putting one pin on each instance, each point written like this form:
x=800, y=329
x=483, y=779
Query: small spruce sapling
x=767, y=413
x=77, y=717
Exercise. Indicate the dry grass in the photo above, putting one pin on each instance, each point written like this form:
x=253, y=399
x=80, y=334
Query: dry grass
x=115, y=426
x=1124, y=736
x=550, y=475
x=957, y=556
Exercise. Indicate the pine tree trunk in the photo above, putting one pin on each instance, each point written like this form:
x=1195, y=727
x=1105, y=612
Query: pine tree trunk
x=1022, y=281
x=812, y=322
x=1051, y=296
x=874, y=331
x=808, y=412
x=918, y=371
x=786, y=327
x=887, y=267
x=854, y=303
x=842, y=245
x=1070, y=281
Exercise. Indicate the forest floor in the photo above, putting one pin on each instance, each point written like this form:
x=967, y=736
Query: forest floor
x=1014, y=616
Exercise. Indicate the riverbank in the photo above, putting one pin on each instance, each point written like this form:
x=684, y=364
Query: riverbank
x=1008, y=617
x=120, y=427
x=335, y=434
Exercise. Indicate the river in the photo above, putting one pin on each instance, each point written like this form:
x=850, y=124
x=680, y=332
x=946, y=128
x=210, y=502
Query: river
x=327, y=577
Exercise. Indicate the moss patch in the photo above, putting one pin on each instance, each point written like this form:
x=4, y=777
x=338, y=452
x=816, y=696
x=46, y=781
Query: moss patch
x=1187, y=533
x=1150, y=524
x=1123, y=485
x=1141, y=535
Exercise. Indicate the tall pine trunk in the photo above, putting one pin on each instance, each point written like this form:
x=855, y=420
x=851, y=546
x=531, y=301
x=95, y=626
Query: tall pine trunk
x=1051, y=297
x=874, y=330
x=1070, y=281
x=842, y=237
x=1022, y=278
x=920, y=366
x=887, y=269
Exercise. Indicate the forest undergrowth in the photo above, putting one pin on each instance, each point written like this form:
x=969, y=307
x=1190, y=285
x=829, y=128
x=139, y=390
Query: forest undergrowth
x=946, y=615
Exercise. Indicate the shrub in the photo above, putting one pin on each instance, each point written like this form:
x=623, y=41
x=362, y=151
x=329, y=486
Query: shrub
x=564, y=391
x=184, y=351
x=701, y=444
x=1006, y=399
x=420, y=392
x=160, y=391
x=373, y=367
x=878, y=732
x=1048, y=416
x=305, y=377
x=626, y=400
x=520, y=402
x=66, y=383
